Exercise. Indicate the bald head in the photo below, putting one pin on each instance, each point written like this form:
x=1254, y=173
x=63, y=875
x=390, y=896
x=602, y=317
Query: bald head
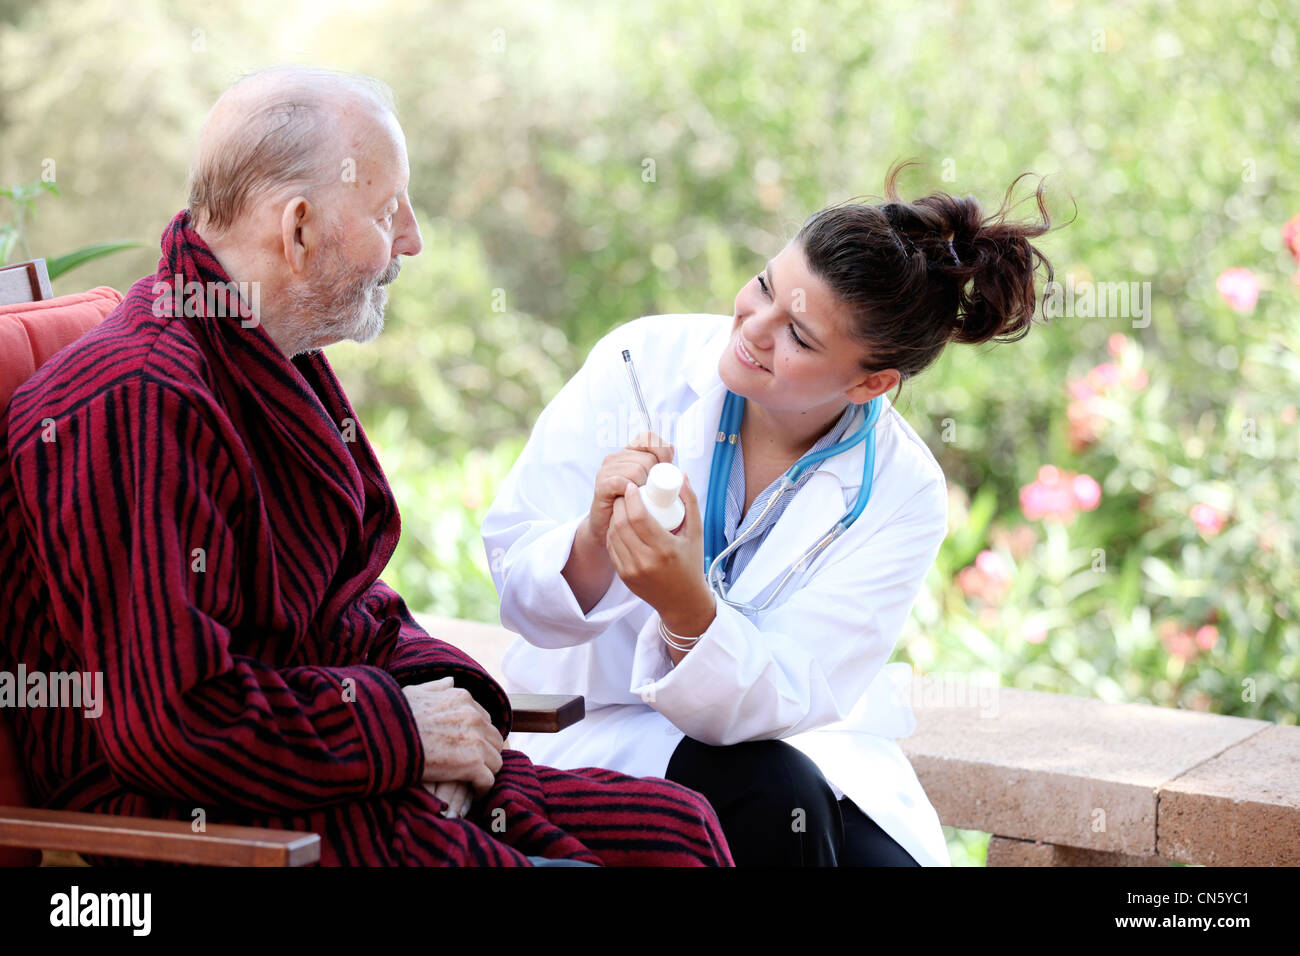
x=276, y=132
x=300, y=187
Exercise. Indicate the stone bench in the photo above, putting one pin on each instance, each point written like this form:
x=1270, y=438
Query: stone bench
x=1071, y=781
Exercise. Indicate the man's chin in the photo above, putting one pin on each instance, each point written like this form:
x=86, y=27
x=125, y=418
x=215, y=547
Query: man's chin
x=368, y=332
x=371, y=323
x=365, y=329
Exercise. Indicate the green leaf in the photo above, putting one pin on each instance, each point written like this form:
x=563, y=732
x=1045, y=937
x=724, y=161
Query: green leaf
x=982, y=509
x=1130, y=583
x=969, y=539
x=24, y=193
x=65, y=263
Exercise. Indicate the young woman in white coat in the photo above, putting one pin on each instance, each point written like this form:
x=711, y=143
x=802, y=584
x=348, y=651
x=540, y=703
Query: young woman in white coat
x=777, y=703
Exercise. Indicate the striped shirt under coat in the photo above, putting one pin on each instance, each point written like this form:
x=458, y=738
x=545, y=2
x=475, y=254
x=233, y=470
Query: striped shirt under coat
x=201, y=531
x=733, y=527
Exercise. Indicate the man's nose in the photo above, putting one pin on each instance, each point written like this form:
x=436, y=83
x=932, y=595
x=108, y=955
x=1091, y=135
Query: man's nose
x=408, y=242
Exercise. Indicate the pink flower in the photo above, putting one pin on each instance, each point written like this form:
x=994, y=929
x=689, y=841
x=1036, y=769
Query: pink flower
x=1291, y=236
x=1107, y=373
x=988, y=578
x=1039, y=500
x=1085, y=424
x=1018, y=541
x=1087, y=493
x=1207, y=636
x=1239, y=288
x=1057, y=495
x=1178, y=641
x=1081, y=389
x=994, y=569
x=970, y=581
x=1086, y=409
x=1208, y=519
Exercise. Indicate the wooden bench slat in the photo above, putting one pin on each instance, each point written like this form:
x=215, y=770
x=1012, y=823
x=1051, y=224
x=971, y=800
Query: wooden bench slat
x=140, y=838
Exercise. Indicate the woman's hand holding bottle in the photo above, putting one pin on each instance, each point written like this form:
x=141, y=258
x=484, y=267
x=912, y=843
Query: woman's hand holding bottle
x=589, y=570
x=633, y=464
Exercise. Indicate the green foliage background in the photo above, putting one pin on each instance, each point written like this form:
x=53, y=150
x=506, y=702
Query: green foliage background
x=1168, y=131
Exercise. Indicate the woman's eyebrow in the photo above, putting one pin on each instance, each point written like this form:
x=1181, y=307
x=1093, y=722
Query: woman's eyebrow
x=801, y=326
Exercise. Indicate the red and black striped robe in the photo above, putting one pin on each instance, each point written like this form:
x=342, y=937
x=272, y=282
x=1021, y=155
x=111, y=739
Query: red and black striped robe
x=182, y=511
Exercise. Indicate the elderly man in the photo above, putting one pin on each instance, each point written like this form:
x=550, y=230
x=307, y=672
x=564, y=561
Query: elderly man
x=190, y=508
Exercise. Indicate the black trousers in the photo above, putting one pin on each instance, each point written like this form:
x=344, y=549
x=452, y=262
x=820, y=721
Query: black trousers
x=776, y=808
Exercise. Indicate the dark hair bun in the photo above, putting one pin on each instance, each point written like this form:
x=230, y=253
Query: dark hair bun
x=918, y=275
x=997, y=264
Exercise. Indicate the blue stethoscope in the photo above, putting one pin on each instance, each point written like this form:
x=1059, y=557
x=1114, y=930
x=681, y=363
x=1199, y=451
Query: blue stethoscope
x=715, y=547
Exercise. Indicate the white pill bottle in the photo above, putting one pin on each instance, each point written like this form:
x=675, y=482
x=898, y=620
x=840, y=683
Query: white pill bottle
x=662, y=496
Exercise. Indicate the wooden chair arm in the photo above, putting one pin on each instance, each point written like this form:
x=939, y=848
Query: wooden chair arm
x=25, y=282
x=546, y=713
x=140, y=838
x=174, y=841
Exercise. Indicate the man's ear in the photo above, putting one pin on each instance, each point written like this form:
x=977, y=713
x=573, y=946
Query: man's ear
x=876, y=383
x=299, y=233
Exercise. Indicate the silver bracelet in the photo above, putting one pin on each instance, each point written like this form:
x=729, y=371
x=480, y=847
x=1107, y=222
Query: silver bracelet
x=674, y=640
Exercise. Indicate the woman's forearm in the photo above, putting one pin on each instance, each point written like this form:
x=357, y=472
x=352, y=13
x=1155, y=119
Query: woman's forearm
x=588, y=571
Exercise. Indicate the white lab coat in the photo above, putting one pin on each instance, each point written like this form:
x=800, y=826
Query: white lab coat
x=810, y=670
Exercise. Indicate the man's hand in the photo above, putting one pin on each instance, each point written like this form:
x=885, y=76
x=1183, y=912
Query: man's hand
x=460, y=743
x=458, y=797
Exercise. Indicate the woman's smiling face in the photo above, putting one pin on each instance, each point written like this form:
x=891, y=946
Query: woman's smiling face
x=790, y=347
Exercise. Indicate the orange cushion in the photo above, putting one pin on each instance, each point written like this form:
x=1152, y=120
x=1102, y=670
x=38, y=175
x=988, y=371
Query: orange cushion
x=30, y=332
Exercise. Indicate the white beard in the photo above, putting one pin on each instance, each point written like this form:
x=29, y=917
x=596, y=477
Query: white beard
x=369, y=320
x=341, y=306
